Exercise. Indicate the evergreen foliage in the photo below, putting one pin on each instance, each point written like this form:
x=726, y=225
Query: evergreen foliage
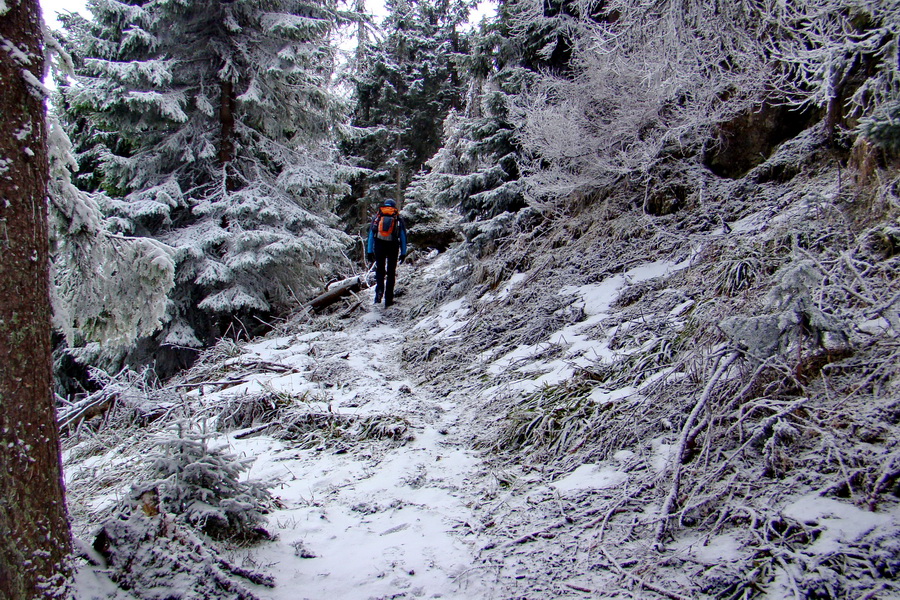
x=106, y=287
x=406, y=85
x=477, y=168
x=215, y=125
x=202, y=486
x=883, y=128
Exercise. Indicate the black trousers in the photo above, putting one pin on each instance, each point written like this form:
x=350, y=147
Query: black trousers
x=386, y=254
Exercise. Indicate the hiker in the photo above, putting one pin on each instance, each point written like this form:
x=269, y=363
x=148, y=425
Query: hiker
x=387, y=244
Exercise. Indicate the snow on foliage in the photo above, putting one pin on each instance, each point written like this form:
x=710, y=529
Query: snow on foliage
x=201, y=485
x=404, y=85
x=587, y=396
x=721, y=436
x=686, y=69
x=153, y=558
x=216, y=141
x=107, y=287
x=627, y=446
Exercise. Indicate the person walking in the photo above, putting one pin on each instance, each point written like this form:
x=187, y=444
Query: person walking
x=386, y=245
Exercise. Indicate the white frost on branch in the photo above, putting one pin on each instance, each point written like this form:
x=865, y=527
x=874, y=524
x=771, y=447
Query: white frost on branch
x=651, y=81
x=106, y=287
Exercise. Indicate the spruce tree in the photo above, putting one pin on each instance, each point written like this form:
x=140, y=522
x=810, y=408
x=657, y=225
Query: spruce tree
x=408, y=83
x=477, y=166
x=212, y=125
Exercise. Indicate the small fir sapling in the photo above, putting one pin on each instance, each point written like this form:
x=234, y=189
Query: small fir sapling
x=883, y=127
x=201, y=485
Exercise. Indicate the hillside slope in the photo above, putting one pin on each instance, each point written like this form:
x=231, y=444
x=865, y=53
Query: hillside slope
x=602, y=403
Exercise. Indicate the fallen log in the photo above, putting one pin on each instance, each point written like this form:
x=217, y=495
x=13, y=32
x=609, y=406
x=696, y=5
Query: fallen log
x=92, y=406
x=338, y=291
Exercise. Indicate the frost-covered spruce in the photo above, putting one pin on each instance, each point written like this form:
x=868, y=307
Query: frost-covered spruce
x=477, y=167
x=217, y=121
x=202, y=486
x=106, y=287
x=404, y=86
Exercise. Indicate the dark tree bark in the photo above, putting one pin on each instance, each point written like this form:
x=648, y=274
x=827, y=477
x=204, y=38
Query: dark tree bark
x=226, y=128
x=226, y=123
x=34, y=530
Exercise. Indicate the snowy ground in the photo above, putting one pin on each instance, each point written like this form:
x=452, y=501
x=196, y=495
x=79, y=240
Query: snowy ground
x=383, y=520
x=433, y=505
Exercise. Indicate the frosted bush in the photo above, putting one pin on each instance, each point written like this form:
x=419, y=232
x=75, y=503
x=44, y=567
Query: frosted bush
x=154, y=559
x=201, y=485
x=794, y=316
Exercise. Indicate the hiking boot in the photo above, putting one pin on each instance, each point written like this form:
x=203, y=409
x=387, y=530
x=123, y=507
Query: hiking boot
x=377, y=298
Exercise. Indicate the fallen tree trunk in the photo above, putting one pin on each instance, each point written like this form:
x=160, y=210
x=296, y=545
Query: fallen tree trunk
x=338, y=291
x=87, y=408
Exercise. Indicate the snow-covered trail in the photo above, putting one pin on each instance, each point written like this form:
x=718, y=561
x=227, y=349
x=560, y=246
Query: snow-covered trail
x=377, y=519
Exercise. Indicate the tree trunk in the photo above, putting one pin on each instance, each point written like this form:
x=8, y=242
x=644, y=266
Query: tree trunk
x=34, y=530
x=456, y=100
x=362, y=37
x=398, y=192
x=340, y=290
x=226, y=123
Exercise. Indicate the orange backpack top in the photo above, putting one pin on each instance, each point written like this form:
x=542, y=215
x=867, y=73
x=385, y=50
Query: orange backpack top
x=386, y=223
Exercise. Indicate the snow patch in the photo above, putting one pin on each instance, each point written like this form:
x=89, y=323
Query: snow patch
x=89, y=583
x=681, y=309
x=506, y=290
x=841, y=523
x=662, y=454
x=438, y=268
x=581, y=350
x=753, y=222
x=601, y=396
x=874, y=326
x=659, y=268
x=597, y=297
x=589, y=477
x=716, y=550
x=559, y=372
x=448, y=320
x=623, y=456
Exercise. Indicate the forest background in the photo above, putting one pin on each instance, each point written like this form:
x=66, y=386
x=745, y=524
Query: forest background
x=209, y=173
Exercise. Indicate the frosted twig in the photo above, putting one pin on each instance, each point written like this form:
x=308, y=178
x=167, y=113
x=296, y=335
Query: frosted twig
x=530, y=536
x=888, y=472
x=638, y=580
x=721, y=367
